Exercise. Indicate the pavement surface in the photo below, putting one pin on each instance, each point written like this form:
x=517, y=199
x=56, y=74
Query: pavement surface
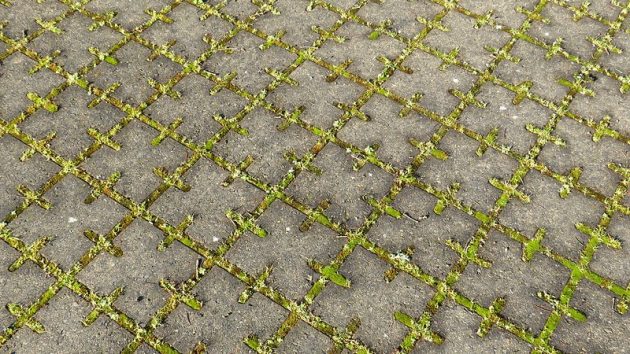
x=318, y=176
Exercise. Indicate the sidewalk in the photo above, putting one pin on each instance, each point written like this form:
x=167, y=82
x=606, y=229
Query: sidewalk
x=318, y=176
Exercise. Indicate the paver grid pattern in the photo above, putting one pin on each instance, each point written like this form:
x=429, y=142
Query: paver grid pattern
x=122, y=36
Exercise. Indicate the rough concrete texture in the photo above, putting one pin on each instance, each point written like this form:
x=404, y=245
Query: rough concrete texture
x=312, y=176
